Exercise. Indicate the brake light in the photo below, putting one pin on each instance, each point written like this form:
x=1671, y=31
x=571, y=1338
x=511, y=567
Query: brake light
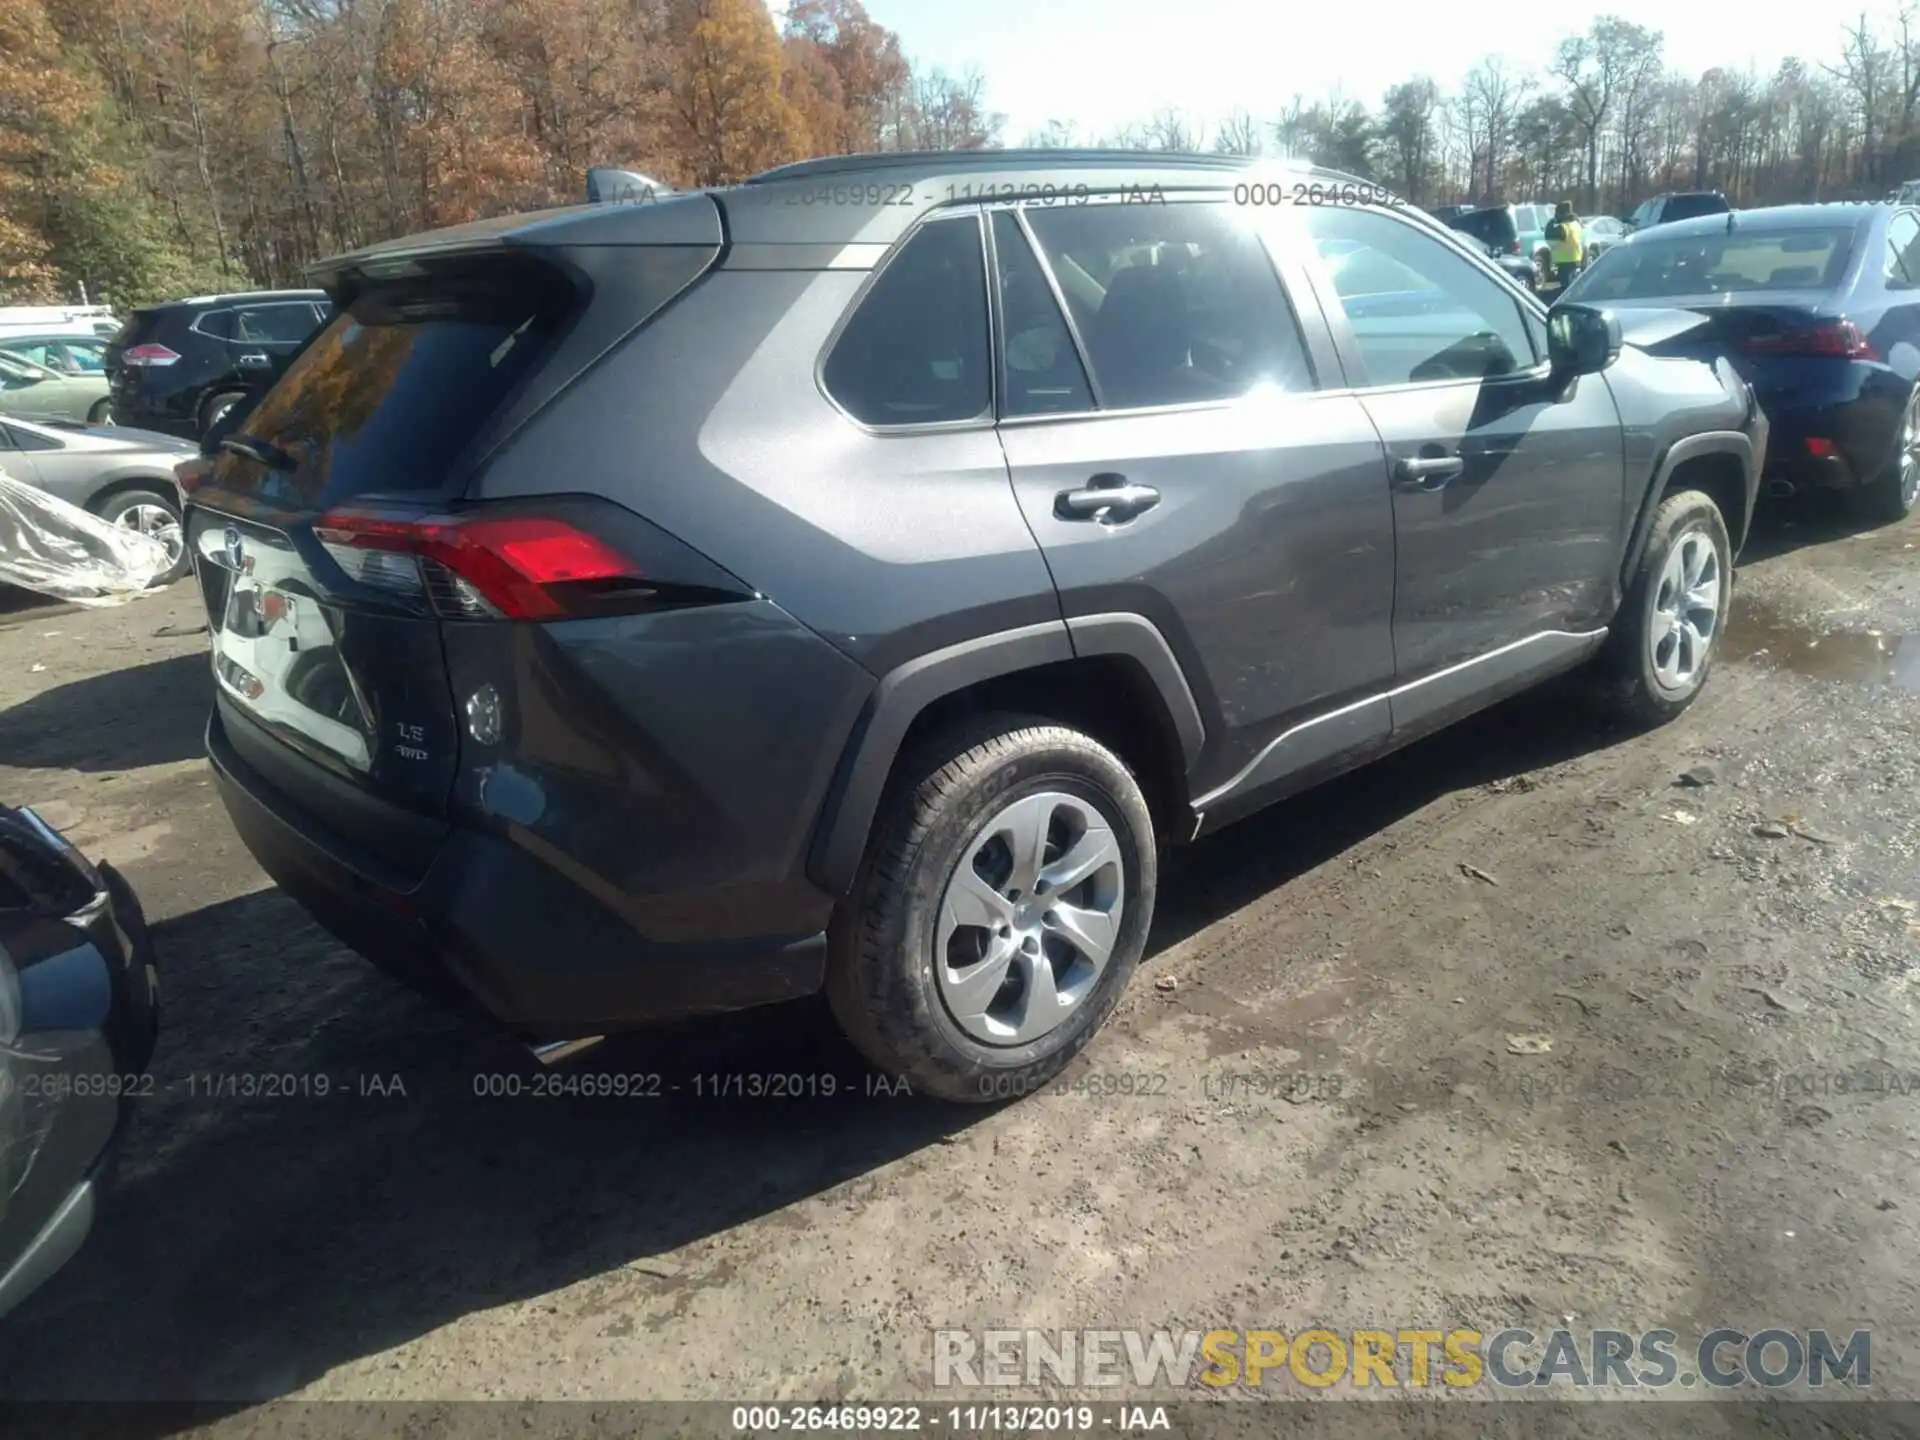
x=513, y=567
x=1837, y=339
x=142, y=357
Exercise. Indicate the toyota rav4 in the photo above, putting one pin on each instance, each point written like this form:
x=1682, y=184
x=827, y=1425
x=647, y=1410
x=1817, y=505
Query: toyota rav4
x=853, y=578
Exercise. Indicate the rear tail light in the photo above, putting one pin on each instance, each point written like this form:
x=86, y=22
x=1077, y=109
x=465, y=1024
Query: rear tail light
x=1819, y=448
x=149, y=356
x=1838, y=339
x=482, y=567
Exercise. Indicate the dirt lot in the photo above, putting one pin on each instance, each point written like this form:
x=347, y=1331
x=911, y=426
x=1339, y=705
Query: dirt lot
x=1695, y=1149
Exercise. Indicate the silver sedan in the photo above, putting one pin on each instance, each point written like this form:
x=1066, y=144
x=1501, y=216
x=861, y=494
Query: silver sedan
x=125, y=476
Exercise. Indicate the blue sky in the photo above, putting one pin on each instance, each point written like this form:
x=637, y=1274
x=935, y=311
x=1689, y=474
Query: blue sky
x=1103, y=63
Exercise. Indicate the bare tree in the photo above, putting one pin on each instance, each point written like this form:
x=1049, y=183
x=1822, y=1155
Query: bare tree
x=1239, y=135
x=1490, y=98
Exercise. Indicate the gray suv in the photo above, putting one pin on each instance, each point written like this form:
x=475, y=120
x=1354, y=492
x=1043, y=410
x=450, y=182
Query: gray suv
x=853, y=578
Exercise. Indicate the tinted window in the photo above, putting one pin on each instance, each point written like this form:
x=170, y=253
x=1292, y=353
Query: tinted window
x=1418, y=310
x=916, y=350
x=1903, y=259
x=1492, y=228
x=398, y=385
x=30, y=440
x=1044, y=373
x=217, y=323
x=1686, y=207
x=1175, y=303
x=273, y=324
x=1724, y=262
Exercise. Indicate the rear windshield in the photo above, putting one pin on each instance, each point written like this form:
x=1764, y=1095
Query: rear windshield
x=1745, y=261
x=1687, y=207
x=396, y=386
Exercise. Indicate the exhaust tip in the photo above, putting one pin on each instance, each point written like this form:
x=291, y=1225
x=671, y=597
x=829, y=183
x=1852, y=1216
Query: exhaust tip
x=555, y=1051
x=1781, y=489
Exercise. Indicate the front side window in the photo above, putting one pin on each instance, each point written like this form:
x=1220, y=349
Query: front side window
x=916, y=351
x=273, y=324
x=1175, y=303
x=1419, y=311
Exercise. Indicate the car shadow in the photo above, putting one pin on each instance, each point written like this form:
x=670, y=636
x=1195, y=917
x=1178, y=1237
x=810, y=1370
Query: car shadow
x=1781, y=526
x=329, y=1167
x=151, y=714
x=1229, y=870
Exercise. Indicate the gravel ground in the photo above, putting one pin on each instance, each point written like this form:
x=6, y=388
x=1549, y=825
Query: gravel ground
x=1327, y=1120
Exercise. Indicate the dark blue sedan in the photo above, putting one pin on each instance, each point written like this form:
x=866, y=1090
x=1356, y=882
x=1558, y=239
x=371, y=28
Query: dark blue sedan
x=1818, y=306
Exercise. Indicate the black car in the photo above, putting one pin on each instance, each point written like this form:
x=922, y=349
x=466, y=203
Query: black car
x=179, y=367
x=1496, y=228
x=1819, y=307
x=1678, y=205
x=850, y=579
x=79, y=1012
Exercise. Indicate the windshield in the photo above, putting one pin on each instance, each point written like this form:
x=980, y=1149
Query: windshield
x=1746, y=261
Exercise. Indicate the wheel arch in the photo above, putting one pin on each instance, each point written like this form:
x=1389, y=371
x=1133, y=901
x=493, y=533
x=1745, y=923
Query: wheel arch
x=122, y=482
x=1718, y=462
x=1113, y=676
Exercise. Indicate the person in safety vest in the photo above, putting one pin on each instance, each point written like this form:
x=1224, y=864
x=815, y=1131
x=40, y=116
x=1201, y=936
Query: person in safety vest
x=1565, y=247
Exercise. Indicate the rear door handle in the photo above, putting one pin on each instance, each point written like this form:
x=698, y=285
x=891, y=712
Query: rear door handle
x=1108, y=499
x=1427, y=472
x=255, y=361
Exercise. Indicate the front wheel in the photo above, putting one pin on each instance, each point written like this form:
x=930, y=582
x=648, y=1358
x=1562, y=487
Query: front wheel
x=1657, y=657
x=151, y=513
x=1002, y=906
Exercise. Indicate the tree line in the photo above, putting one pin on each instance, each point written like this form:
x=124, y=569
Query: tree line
x=157, y=148
x=1606, y=124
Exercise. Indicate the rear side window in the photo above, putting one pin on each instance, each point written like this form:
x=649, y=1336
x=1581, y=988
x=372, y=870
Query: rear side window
x=1176, y=303
x=393, y=391
x=218, y=324
x=1686, y=207
x=916, y=350
x=1492, y=228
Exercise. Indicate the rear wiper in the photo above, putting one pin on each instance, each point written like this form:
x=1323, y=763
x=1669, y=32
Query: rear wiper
x=264, y=451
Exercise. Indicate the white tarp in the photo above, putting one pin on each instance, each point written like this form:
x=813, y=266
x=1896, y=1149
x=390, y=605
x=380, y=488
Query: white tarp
x=64, y=551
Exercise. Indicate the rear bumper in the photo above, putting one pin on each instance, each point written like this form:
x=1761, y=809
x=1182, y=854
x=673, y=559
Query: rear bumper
x=1852, y=415
x=497, y=928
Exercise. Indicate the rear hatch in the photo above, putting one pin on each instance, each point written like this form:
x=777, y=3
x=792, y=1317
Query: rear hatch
x=329, y=534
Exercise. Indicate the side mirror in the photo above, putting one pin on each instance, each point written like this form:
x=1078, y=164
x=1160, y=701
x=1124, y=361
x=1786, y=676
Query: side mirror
x=1581, y=340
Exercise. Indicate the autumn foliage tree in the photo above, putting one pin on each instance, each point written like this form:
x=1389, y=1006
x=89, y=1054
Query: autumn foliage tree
x=156, y=147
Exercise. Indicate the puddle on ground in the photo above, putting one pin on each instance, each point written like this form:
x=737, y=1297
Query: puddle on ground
x=1758, y=631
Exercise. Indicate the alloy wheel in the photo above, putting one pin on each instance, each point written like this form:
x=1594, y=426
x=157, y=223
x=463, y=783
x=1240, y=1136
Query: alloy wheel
x=1686, y=609
x=160, y=523
x=1029, y=918
x=1910, y=453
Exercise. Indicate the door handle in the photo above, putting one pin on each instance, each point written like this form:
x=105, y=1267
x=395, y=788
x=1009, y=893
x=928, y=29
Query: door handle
x=255, y=361
x=1108, y=499
x=1427, y=472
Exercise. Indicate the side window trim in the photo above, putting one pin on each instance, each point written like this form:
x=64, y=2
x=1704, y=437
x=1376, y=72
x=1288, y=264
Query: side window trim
x=1045, y=263
x=987, y=418
x=1353, y=364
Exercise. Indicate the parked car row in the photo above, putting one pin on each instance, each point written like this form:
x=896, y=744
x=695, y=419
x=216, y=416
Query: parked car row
x=100, y=419
x=1515, y=235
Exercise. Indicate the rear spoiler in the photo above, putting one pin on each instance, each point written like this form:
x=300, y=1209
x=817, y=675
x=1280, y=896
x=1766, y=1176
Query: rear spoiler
x=622, y=187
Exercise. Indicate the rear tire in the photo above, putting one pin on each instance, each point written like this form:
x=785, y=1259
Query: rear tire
x=1663, y=639
x=964, y=960
x=101, y=413
x=1890, y=496
x=155, y=514
x=217, y=406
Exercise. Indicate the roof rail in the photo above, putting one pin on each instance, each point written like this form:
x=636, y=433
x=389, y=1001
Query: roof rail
x=1005, y=159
